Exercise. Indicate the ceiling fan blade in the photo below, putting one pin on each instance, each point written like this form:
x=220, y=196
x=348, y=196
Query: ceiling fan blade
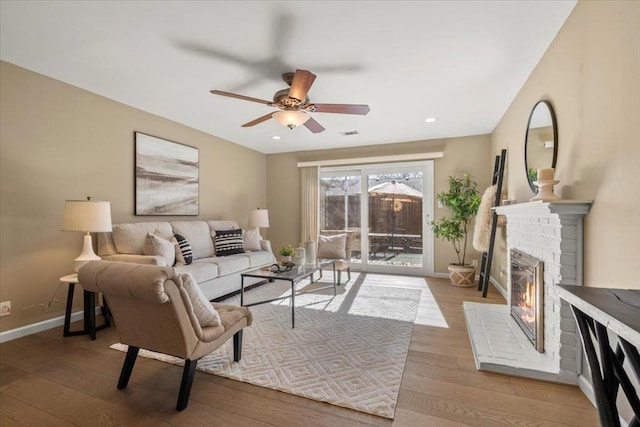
x=235, y=95
x=313, y=126
x=301, y=83
x=257, y=121
x=361, y=109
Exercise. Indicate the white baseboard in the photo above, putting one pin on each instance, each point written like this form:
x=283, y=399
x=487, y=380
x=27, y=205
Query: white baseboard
x=34, y=328
x=587, y=389
x=499, y=288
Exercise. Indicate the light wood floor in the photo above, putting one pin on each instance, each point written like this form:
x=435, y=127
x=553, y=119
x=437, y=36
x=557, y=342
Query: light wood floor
x=48, y=380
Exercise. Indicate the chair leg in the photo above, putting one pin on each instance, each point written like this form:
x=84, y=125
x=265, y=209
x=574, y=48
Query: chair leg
x=127, y=367
x=237, y=346
x=185, y=385
x=348, y=274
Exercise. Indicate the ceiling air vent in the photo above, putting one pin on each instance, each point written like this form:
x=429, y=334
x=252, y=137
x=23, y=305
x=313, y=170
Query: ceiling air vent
x=349, y=133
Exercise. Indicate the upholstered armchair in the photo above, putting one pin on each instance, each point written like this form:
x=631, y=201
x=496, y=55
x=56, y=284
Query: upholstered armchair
x=336, y=245
x=155, y=308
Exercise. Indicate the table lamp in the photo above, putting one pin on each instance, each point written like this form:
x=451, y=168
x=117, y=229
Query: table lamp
x=87, y=216
x=259, y=218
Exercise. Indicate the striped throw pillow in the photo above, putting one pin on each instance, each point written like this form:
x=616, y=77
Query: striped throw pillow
x=184, y=254
x=228, y=242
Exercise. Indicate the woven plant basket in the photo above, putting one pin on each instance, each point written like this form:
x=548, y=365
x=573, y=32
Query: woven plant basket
x=462, y=276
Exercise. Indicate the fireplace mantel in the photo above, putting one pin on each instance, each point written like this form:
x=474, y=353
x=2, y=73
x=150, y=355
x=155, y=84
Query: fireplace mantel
x=540, y=208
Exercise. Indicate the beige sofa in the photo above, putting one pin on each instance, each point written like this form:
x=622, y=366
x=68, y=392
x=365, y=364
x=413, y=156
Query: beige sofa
x=216, y=276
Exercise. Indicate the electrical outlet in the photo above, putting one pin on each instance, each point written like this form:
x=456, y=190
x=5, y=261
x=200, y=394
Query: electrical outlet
x=5, y=308
x=474, y=263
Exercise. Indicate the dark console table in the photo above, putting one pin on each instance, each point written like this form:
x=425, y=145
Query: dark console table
x=618, y=310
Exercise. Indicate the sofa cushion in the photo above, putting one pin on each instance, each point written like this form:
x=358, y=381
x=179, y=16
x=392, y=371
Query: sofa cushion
x=202, y=308
x=227, y=264
x=130, y=238
x=257, y=259
x=163, y=247
x=184, y=253
x=198, y=235
x=228, y=242
x=201, y=271
x=225, y=224
x=332, y=247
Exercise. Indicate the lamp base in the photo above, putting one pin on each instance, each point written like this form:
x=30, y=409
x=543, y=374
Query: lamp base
x=86, y=255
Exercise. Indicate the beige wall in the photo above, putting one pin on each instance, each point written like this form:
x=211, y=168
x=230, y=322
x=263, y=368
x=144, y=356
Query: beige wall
x=59, y=142
x=591, y=75
x=466, y=154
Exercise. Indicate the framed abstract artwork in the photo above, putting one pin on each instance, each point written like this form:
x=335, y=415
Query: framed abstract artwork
x=167, y=179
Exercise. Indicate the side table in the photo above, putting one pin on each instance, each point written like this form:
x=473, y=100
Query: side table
x=89, y=310
x=598, y=310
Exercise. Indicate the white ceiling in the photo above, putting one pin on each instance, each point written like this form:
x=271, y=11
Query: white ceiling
x=460, y=61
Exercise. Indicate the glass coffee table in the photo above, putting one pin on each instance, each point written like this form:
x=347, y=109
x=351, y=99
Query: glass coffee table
x=293, y=276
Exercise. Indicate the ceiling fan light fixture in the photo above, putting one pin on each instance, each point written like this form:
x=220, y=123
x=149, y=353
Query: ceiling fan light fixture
x=290, y=118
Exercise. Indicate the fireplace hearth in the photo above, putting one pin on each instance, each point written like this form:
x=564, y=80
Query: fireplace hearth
x=527, y=296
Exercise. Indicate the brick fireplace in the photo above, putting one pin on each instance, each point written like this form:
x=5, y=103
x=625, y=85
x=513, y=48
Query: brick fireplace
x=551, y=234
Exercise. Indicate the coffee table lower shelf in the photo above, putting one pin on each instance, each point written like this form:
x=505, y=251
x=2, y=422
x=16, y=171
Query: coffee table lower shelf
x=292, y=277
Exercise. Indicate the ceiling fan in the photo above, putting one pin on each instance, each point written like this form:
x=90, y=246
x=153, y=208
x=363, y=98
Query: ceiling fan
x=294, y=104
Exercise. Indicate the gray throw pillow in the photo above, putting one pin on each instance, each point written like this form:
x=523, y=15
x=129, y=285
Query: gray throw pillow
x=251, y=239
x=332, y=247
x=202, y=308
x=162, y=247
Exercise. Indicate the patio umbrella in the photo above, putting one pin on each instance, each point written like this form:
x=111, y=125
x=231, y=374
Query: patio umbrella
x=395, y=190
x=397, y=193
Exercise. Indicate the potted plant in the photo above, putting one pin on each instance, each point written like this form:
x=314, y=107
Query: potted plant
x=463, y=201
x=286, y=252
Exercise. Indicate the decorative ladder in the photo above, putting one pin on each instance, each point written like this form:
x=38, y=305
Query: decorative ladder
x=487, y=257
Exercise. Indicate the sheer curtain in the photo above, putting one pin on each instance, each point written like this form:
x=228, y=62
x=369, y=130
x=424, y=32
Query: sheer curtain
x=309, y=201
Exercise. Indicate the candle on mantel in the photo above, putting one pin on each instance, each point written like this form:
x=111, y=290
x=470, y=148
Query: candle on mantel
x=545, y=174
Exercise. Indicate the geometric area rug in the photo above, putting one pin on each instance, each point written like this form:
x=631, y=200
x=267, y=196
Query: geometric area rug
x=348, y=350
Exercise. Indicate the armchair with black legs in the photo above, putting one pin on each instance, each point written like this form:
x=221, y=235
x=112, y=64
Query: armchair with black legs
x=157, y=309
x=337, y=245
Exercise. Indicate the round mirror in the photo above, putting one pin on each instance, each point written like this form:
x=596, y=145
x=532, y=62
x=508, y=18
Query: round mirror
x=541, y=141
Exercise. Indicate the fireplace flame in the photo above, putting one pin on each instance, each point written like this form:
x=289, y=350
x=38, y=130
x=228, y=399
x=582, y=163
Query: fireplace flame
x=527, y=296
x=527, y=301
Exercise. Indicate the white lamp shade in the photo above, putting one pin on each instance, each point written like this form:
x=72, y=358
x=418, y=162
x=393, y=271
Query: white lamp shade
x=259, y=218
x=290, y=118
x=86, y=215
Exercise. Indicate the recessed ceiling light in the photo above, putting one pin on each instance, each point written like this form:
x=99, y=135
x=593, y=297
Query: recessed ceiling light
x=275, y=137
x=430, y=119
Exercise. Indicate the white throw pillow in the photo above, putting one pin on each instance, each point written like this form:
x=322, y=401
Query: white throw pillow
x=252, y=240
x=332, y=247
x=162, y=247
x=202, y=308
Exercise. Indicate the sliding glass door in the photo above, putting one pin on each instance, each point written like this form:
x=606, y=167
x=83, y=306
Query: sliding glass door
x=395, y=202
